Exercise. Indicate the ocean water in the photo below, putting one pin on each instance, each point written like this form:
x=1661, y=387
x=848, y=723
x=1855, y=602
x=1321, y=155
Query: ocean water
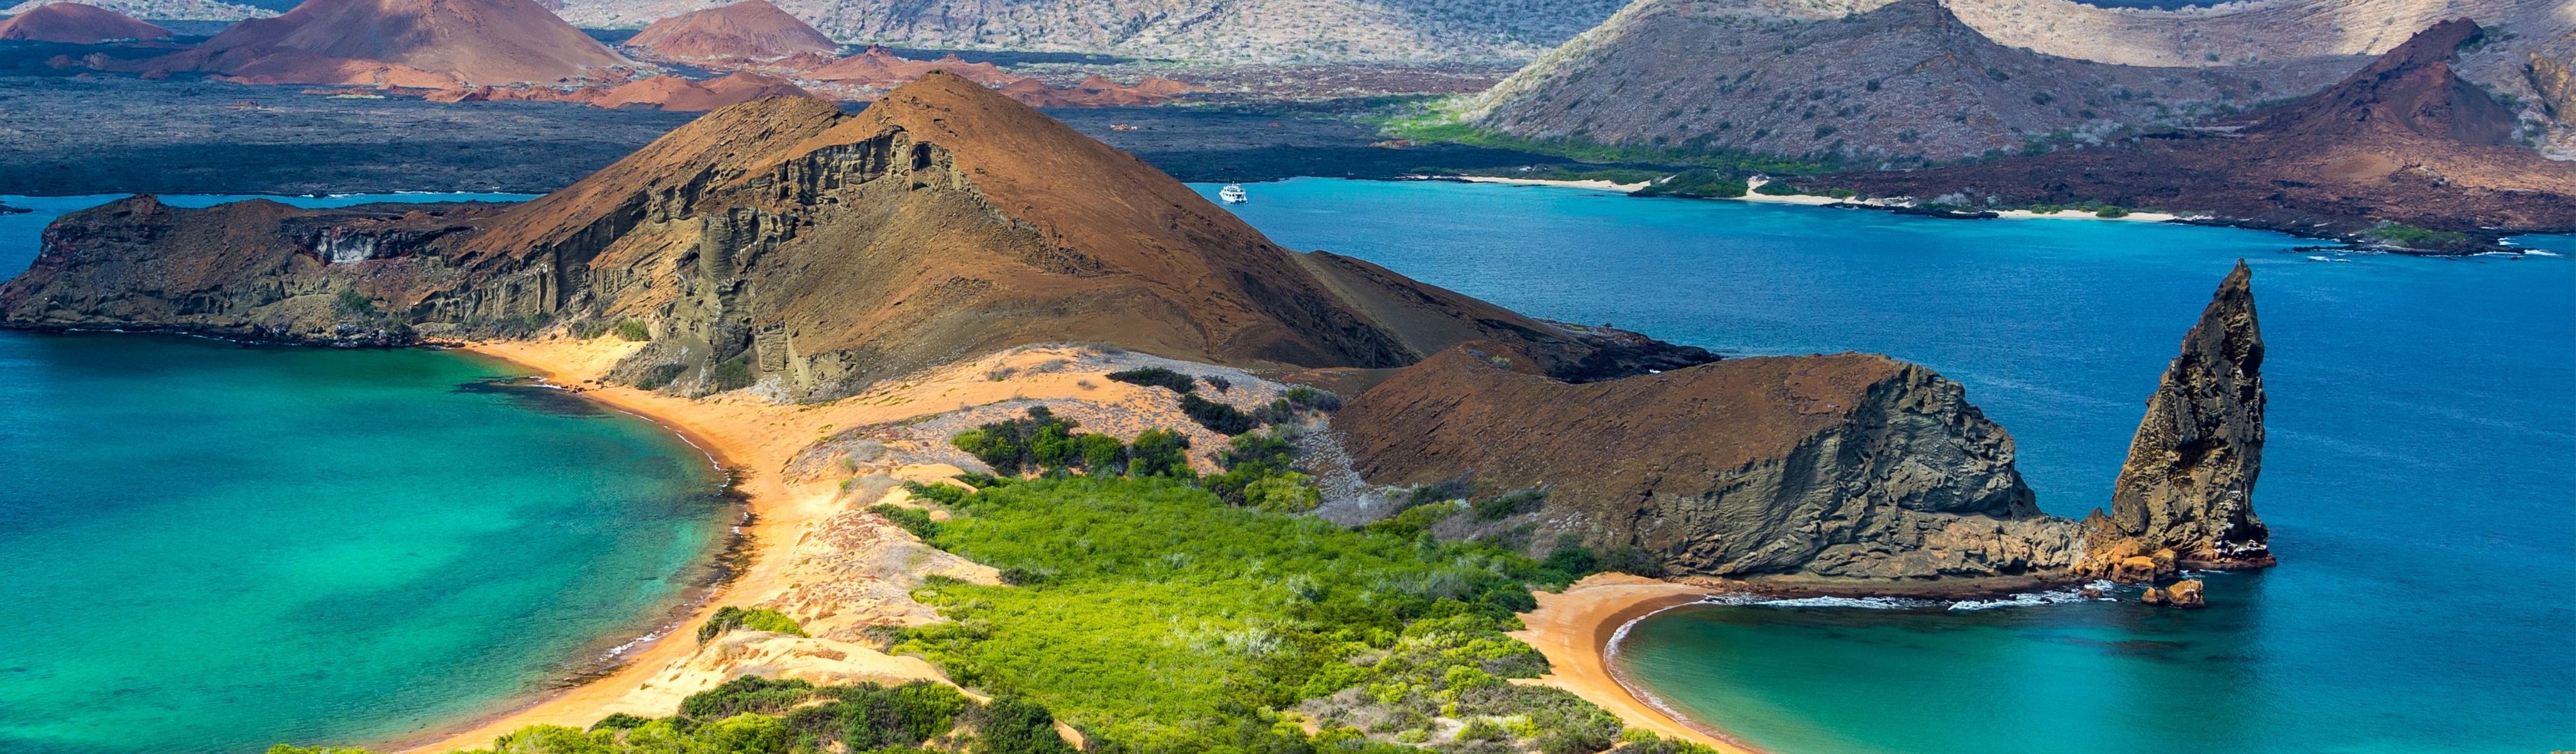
x=213, y=548
x=2420, y=478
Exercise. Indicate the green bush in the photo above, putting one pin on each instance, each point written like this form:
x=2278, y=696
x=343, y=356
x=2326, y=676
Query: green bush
x=1776, y=188
x=728, y=618
x=1168, y=621
x=1156, y=377
x=749, y=694
x=1510, y=504
x=1697, y=184
x=1313, y=399
x=1217, y=417
x=2111, y=212
x=913, y=520
x=2414, y=237
x=1160, y=452
x=634, y=329
x=351, y=303
x=733, y=374
x=944, y=494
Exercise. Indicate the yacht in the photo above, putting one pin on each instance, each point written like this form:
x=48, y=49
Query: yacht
x=1232, y=194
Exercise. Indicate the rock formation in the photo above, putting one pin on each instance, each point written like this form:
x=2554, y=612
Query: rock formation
x=165, y=10
x=786, y=245
x=1846, y=472
x=2188, y=486
x=2402, y=140
x=415, y=43
x=748, y=30
x=1888, y=80
x=77, y=24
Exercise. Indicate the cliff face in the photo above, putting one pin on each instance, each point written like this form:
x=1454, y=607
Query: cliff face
x=2188, y=485
x=1849, y=472
x=786, y=246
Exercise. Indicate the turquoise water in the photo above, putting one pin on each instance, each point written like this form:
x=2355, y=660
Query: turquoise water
x=212, y=548
x=2420, y=481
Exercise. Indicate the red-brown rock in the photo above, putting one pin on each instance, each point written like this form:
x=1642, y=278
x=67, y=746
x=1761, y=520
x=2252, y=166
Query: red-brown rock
x=77, y=24
x=753, y=30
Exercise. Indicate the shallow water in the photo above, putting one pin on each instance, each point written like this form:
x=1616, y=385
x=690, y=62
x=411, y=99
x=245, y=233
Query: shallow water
x=212, y=548
x=2420, y=478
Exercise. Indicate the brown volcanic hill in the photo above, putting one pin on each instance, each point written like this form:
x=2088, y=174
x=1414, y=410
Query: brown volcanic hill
x=1874, y=79
x=77, y=24
x=679, y=94
x=2403, y=140
x=748, y=30
x=471, y=41
x=785, y=244
x=1726, y=469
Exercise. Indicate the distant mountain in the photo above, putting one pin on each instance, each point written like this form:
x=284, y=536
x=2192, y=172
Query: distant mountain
x=1231, y=30
x=77, y=24
x=420, y=43
x=749, y=30
x=1869, y=79
x=163, y=10
x=2403, y=140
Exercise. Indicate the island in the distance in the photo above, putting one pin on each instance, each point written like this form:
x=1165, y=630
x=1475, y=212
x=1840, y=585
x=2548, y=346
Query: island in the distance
x=855, y=308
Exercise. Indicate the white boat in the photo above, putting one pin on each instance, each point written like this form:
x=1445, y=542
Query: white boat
x=1232, y=194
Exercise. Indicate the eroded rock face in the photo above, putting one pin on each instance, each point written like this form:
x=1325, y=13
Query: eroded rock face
x=2188, y=485
x=1851, y=468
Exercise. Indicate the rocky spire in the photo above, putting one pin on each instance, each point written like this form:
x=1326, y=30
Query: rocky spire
x=2188, y=486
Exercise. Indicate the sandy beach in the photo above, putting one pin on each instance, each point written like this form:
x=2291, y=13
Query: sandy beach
x=1623, y=188
x=1573, y=629
x=757, y=438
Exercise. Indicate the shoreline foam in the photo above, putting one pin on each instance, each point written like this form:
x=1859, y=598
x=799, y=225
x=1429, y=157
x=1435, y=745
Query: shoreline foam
x=1578, y=631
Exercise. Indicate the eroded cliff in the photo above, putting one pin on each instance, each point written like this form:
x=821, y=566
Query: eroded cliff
x=2188, y=486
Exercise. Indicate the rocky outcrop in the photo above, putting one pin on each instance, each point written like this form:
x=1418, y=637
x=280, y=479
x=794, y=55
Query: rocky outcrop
x=1850, y=472
x=77, y=24
x=788, y=247
x=2188, y=486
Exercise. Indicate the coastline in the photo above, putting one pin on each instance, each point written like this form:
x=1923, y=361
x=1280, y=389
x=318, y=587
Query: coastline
x=1574, y=630
x=588, y=697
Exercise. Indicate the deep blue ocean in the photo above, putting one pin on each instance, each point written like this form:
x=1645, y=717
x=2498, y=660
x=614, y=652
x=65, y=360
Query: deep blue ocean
x=2420, y=476
x=214, y=548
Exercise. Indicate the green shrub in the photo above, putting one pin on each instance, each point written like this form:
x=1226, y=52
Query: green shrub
x=728, y=618
x=1313, y=399
x=870, y=717
x=733, y=374
x=1697, y=184
x=2414, y=237
x=619, y=721
x=2113, y=211
x=351, y=303
x=749, y=694
x=1156, y=377
x=1510, y=504
x=913, y=520
x=944, y=494
x=1166, y=621
x=1217, y=417
x=1220, y=383
x=1159, y=452
x=634, y=330
x=1776, y=188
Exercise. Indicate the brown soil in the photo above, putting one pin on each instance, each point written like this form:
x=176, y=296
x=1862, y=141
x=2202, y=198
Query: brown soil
x=749, y=30
x=2403, y=140
x=77, y=24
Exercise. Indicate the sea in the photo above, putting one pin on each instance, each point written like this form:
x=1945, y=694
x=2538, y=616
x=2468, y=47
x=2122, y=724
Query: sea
x=2419, y=477
x=213, y=547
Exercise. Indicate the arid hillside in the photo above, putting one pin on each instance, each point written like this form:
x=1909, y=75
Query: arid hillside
x=430, y=43
x=170, y=10
x=785, y=244
x=1879, y=80
x=1254, y=30
x=749, y=30
x=77, y=24
x=2403, y=140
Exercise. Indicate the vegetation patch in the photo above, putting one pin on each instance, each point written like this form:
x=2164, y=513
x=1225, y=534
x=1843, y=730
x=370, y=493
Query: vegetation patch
x=1434, y=122
x=728, y=618
x=2413, y=237
x=1156, y=377
x=1698, y=183
x=634, y=330
x=1160, y=617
